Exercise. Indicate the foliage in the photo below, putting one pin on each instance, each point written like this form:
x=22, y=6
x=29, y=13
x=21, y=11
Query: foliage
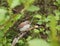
x=38, y=42
x=43, y=13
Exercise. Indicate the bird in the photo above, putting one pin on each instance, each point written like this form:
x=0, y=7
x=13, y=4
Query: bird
x=24, y=26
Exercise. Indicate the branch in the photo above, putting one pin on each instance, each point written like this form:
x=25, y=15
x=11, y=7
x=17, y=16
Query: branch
x=21, y=35
x=16, y=39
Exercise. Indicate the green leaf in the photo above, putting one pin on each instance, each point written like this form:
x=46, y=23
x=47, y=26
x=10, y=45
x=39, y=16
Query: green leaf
x=8, y=44
x=18, y=16
x=58, y=1
x=10, y=23
x=37, y=16
x=3, y=16
x=21, y=42
x=29, y=37
x=47, y=19
x=33, y=8
x=1, y=34
x=1, y=44
x=13, y=3
x=4, y=40
x=57, y=13
x=36, y=31
x=58, y=27
x=27, y=3
x=40, y=22
x=42, y=29
x=37, y=42
x=3, y=11
x=47, y=32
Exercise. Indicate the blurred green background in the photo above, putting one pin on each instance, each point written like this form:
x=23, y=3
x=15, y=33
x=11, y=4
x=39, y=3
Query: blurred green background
x=45, y=14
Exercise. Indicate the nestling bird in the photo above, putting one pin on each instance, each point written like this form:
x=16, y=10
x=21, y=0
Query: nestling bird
x=24, y=26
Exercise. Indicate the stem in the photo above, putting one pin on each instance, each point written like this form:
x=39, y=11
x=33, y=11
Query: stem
x=53, y=31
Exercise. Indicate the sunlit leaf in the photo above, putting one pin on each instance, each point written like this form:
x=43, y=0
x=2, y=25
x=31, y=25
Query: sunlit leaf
x=58, y=27
x=47, y=19
x=2, y=15
x=37, y=16
x=8, y=44
x=29, y=38
x=27, y=3
x=2, y=18
x=57, y=13
x=10, y=23
x=36, y=31
x=18, y=16
x=1, y=44
x=13, y=3
x=38, y=42
x=4, y=40
x=40, y=22
x=3, y=11
x=58, y=1
x=1, y=34
x=21, y=42
x=33, y=8
x=42, y=29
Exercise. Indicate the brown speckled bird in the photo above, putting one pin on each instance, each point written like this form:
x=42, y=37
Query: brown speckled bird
x=24, y=26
